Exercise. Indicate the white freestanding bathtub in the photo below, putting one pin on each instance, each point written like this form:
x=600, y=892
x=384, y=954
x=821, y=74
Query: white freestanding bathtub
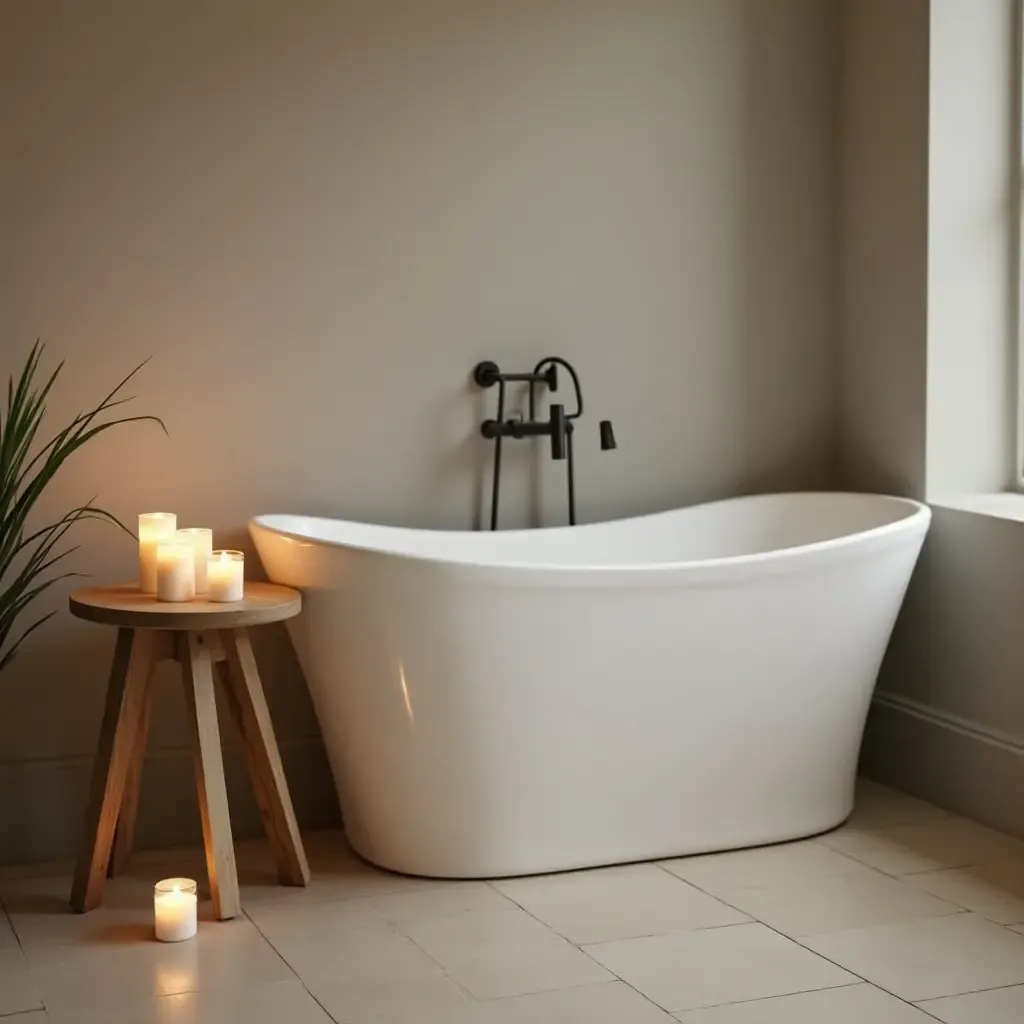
x=538, y=700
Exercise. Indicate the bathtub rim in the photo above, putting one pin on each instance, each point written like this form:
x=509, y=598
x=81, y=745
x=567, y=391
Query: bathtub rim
x=916, y=521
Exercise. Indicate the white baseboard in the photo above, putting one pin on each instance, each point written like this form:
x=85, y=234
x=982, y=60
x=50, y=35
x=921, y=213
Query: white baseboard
x=42, y=801
x=958, y=764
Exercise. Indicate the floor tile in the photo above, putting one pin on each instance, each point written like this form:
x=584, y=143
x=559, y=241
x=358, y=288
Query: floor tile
x=392, y=1001
x=131, y=965
x=18, y=989
x=610, y=1003
x=854, y=1004
x=617, y=903
x=335, y=920
x=336, y=873
x=502, y=953
x=996, y=1006
x=878, y=806
x=450, y=900
x=364, y=956
x=324, y=922
x=940, y=956
x=836, y=904
x=49, y=930
x=605, y=1003
x=994, y=890
x=344, y=942
x=903, y=849
x=721, y=873
x=691, y=970
x=8, y=940
x=251, y=1004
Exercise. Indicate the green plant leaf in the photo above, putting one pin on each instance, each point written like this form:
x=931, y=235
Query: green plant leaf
x=26, y=469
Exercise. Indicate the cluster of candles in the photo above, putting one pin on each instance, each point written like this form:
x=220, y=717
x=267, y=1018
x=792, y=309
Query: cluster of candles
x=179, y=565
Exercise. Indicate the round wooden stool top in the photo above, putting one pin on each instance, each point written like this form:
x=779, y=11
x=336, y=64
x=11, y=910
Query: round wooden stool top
x=126, y=606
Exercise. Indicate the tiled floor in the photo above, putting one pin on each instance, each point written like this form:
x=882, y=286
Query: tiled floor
x=905, y=915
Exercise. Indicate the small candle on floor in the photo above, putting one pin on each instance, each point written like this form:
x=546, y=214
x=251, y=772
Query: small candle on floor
x=225, y=576
x=175, y=909
x=154, y=527
x=175, y=572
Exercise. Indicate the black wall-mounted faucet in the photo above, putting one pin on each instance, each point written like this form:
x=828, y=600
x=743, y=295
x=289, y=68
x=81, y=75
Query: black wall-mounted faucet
x=559, y=427
x=555, y=428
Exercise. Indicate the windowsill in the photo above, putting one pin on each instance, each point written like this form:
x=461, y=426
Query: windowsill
x=1001, y=505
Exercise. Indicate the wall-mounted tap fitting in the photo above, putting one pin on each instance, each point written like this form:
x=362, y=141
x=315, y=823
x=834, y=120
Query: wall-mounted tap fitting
x=487, y=374
x=555, y=428
x=559, y=426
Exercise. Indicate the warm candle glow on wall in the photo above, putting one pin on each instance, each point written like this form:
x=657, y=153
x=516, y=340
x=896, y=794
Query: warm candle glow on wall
x=175, y=572
x=225, y=573
x=154, y=527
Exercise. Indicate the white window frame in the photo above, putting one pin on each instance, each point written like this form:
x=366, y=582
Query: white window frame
x=1018, y=247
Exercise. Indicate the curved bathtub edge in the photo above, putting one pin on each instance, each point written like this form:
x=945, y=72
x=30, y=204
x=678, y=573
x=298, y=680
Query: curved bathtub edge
x=589, y=865
x=918, y=520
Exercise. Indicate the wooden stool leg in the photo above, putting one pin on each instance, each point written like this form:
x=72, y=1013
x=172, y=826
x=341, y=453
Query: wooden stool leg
x=262, y=801
x=263, y=759
x=209, y=764
x=125, y=834
x=126, y=698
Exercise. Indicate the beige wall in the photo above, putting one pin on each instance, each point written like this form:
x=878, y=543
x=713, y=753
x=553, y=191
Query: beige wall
x=882, y=252
x=318, y=215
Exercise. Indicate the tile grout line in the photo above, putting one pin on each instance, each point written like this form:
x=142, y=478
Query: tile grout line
x=614, y=977
x=6, y=916
x=330, y=1016
x=14, y=931
x=495, y=999
x=397, y=928
x=970, y=992
x=917, y=874
x=884, y=832
x=809, y=950
x=917, y=1005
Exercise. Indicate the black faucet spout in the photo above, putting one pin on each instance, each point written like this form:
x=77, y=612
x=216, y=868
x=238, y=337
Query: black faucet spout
x=556, y=428
x=558, y=431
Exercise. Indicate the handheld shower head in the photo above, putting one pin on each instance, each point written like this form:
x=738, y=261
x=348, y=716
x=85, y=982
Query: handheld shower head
x=607, y=436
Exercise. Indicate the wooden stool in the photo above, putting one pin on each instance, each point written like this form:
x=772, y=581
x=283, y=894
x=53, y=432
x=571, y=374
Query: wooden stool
x=200, y=635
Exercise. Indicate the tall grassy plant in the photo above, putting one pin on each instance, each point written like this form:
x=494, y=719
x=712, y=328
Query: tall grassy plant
x=31, y=563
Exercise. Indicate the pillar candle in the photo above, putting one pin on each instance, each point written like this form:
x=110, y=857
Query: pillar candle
x=175, y=572
x=201, y=540
x=225, y=574
x=154, y=527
